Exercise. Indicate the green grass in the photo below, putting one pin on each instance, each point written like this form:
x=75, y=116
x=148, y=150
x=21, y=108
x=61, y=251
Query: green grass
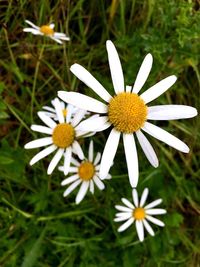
x=38, y=227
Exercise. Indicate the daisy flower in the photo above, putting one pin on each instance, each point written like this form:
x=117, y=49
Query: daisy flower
x=62, y=138
x=139, y=214
x=46, y=30
x=85, y=173
x=127, y=113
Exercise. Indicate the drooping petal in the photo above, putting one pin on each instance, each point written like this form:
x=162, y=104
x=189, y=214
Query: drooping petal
x=32, y=24
x=144, y=197
x=41, y=129
x=109, y=153
x=48, y=121
x=127, y=203
x=155, y=211
x=98, y=182
x=56, y=40
x=125, y=225
x=165, y=137
x=131, y=158
x=92, y=124
x=171, y=112
x=92, y=186
x=91, y=151
x=115, y=68
x=148, y=227
x=67, y=160
x=71, y=187
x=76, y=148
x=82, y=191
x=143, y=73
x=39, y=143
x=70, y=179
x=140, y=230
x=83, y=101
x=97, y=159
x=55, y=160
x=82, y=74
x=147, y=149
x=135, y=197
x=59, y=111
x=155, y=220
x=43, y=154
x=158, y=89
x=153, y=203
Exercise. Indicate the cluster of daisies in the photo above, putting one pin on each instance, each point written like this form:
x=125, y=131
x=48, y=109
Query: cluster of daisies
x=126, y=112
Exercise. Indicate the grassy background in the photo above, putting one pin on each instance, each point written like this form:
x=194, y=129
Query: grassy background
x=38, y=227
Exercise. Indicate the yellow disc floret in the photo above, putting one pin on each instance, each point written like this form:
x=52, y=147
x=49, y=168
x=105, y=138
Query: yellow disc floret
x=47, y=30
x=127, y=112
x=139, y=213
x=63, y=135
x=86, y=171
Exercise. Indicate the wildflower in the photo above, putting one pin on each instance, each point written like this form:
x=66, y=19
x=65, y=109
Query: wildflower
x=63, y=137
x=86, y=173
x=139, y=214
x=47, y=30
x=127, y=113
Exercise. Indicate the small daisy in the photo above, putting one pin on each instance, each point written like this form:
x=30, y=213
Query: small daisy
x=139, y=214
x=51, y=111
x=86, y=173
x=62, y=137
x=127, y=113
x=46, y=30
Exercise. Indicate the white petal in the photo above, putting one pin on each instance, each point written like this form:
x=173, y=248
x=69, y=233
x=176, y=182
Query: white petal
x=165, y=137
x=153, y=204
x=83, y=101
x=103, y=127
x=70, y=179
x=143, y=73
x=98, y=183
x=71, y=187
x=124, y=214
x=41, y=129
x=55, y=160
x=77, y=150
x=39, y=143
x=55, y=39
x=127, y=203
x=122, y=208
x=125, y=225
x=120, y=219
x=115, y=67
x=171, y=112
x=43, y=154
x=73, y=169
x=91, y=151
x=140, y=230
x=148, y=227
x=48, y=109
x=70, y=110
x=155, y=211
x=52, y=25
x=59, y=111
x=135, y=197
x=131, y=158
x=144, y=197
x=128, y=88
x=92, y=124
x=48, y=121
x=82, y=191
x=32, y=24
x=92, y=186
x=97, y=159
x=158, y=89
x=109, y=153
x=147, y=149
x=155, y=221
x=75, y=162
x=67, y=160
x=33, y=31
x=78, y=117
x=82, y=74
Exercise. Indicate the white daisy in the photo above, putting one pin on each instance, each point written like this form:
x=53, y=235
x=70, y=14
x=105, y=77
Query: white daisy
x=46, y=30
x=85, y=174
x=62, y=137
x=139, y=214
x=127, y=113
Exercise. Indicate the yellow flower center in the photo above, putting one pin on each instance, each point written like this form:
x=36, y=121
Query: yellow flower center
x=139, y=213
x=127, y=112
x=64, y=111
x=86, y=171
x=63, y=135
x=46, y=30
